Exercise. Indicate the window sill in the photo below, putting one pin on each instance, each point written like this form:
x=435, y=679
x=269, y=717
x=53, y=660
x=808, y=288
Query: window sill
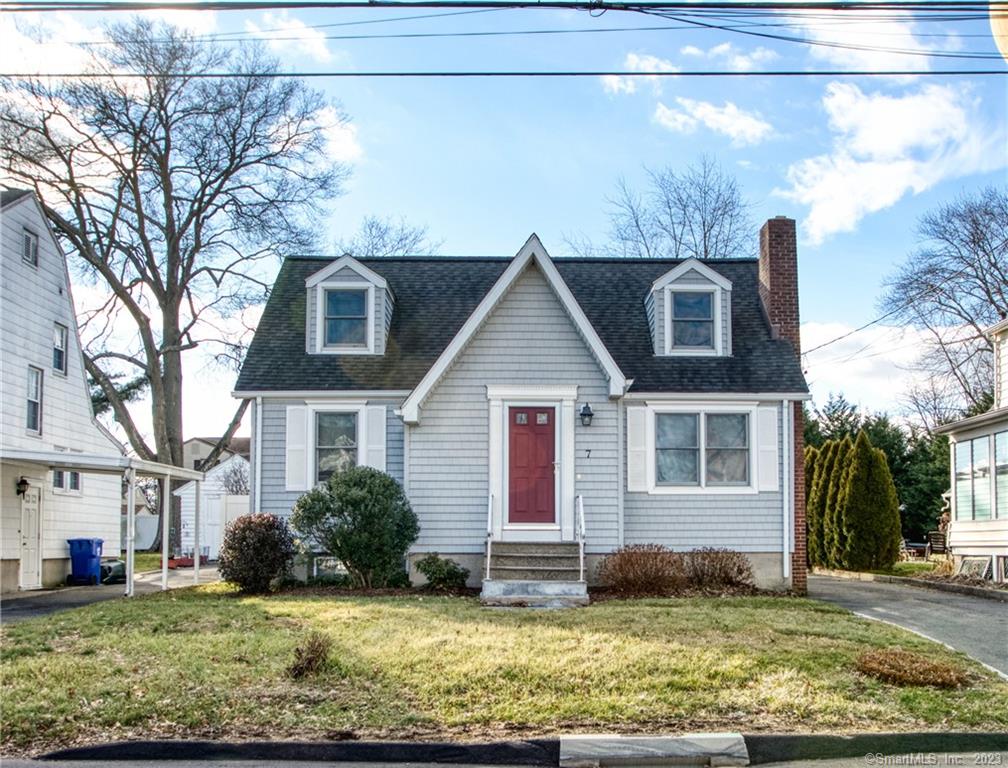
x=344, y=351
x=697, y=490
x=691, y=352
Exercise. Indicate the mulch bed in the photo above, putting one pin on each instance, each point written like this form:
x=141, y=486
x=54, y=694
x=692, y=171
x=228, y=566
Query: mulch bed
x=965, y=580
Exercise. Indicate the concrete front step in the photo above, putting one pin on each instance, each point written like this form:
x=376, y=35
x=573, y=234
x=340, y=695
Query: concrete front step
x=536, y=560
x=534, y=593
x=567, y=548
x=541, y=573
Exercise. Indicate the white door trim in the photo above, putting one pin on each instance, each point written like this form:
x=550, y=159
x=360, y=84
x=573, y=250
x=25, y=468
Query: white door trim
x=561, y=399
x=36, y=486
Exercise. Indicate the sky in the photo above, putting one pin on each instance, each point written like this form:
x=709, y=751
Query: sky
x=483, y=163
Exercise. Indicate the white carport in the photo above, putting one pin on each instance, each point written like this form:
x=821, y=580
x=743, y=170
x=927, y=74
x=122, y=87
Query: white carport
x=129, y=467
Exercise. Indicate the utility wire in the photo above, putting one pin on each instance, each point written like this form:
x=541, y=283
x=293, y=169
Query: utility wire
x=512, y=73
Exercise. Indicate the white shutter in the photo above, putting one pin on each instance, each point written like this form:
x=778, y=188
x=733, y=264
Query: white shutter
x=296, y=445
x=374, y=423
x=637, y=452
x=767, y=453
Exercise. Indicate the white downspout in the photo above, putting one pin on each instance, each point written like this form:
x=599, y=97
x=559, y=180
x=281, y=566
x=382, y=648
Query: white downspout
x=130, y=528
x=621, y=459
x=258, y=455
x=165, y=514
x=196, y=539
x=786, y=490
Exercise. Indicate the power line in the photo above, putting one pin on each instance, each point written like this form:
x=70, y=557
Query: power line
x=512, y=73
x=588, y=5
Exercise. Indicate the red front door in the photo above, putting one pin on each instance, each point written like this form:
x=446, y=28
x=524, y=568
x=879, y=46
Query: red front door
x=531, y=471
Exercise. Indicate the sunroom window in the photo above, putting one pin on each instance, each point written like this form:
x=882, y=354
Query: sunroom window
x=346, y=318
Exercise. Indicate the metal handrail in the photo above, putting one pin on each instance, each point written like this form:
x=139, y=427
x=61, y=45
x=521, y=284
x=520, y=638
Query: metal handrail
x=489, y=538
x=581, y=534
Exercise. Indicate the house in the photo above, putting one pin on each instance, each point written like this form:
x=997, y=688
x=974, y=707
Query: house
x=219, y=504
x=537, y=409
x=195, y=450
x=978, y=530
x=48, y=432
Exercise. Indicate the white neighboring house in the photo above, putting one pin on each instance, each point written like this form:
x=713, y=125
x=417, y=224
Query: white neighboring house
x=217, y=507
x=978, y=530
x=45, y=409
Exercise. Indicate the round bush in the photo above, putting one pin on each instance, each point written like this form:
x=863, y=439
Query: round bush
x=257, y=549
x=643, y=569
x=442, y=573
x=362, y=517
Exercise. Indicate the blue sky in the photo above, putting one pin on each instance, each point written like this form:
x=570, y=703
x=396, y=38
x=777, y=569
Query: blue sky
x=482, y=163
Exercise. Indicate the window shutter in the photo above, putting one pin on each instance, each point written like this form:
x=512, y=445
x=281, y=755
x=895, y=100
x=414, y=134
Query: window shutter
x=296, y=444
x=767, y=454
x=637, y=452
x=374, y=421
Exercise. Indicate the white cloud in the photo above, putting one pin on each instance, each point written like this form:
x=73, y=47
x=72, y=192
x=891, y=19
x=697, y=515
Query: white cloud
x=850, y=45
x=887, y=146
x=638, y=62
x=742, y=127
x=44, y=46
x=732, y=57
x=341, y=137
x=873, y=368
x=294, y=36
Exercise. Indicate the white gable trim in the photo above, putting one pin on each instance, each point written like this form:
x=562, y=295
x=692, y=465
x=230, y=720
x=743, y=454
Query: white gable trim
x=532, y=251
x=696, y=265
x=349, y=262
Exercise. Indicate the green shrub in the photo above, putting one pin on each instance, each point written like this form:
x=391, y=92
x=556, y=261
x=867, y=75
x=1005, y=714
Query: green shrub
x=711, y=568
x=257, y=549
x=814, y=459
x=442, y=573
x=362, y=517
x=643, y=569
x=816, y=506
x=869, y=510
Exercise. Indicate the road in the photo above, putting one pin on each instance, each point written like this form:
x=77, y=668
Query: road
x=974, y=625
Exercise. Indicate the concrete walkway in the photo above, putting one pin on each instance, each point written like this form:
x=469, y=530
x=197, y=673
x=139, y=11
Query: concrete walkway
x=26, y=605
x=974, y=625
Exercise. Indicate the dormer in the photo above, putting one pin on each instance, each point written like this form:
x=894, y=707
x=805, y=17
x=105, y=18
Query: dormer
x=998, y=335
x=348, y=310
x=689, y=310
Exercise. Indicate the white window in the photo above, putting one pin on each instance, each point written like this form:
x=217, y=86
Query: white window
x=346, y=319
x=66, y=481
x=58, y=478
x=692, y=319
x=981, y=477
x=29, y=248
x=59, y=359
x=336, y=443
x=702, y=449
x=33, y=420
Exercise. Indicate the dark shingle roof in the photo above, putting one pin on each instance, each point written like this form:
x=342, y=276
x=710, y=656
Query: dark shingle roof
x=8, y=196
x=435, y=296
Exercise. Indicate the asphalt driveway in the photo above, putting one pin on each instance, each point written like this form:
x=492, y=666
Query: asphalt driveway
x=26, y=605
x=974, y=625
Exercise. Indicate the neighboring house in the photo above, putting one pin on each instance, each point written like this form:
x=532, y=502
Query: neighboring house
x=218, y=507
x=48, y=433
x=195, y=450
x=661, y=397
x=978, y=530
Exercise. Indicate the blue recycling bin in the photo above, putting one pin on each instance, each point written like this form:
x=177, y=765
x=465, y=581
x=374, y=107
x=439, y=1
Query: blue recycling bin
x=85, y=561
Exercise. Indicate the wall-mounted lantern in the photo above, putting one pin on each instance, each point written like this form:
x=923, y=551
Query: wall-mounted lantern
x=22, y=486
x=586, y=415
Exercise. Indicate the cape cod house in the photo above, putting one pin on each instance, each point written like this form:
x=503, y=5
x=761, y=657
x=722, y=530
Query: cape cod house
x=978, y=530
x=541, y=413
x=47, y=427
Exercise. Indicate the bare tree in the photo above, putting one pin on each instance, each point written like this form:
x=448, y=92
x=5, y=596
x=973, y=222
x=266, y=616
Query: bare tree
x=174, y=191
x=699, y=212
x=235, y=479
x=953, y=287
x=382, y=237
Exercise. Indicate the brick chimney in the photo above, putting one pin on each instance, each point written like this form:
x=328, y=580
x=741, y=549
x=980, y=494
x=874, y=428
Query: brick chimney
x=778, y=287
x=778, y=277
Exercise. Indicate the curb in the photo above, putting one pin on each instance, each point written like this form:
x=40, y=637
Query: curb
x=713, y=749
x=962, y=589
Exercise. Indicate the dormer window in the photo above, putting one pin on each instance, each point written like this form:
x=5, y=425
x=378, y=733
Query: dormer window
x=346, y=318
x=692, y=318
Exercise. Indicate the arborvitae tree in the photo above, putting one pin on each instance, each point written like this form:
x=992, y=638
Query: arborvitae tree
x=833, y=538
x=816, y=506
x=812, y=464
x=869, y=510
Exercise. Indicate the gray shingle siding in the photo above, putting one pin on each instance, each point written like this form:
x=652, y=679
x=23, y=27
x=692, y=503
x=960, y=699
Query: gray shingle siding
x=746, y=523
x=528, y=340
x=275, y=498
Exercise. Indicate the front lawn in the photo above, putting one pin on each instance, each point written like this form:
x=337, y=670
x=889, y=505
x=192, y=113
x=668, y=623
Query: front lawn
x=203, y=662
